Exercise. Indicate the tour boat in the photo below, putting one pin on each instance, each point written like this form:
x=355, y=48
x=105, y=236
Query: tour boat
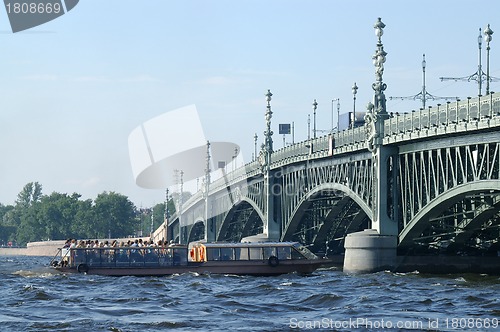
x=246, y=258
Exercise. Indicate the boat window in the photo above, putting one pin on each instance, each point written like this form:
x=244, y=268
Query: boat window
x=241, y=254
x=269, y=251
x=297, y=255
x=226, y=254
x=301, y=250
x=255, y=253
x=284, y=253
x=213, y=254
x=180, y=256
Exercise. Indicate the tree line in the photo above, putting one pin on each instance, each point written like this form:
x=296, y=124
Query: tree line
x=38, y=217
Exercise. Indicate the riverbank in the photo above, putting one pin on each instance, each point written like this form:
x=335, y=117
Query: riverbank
x=45, y=248
x=42, y=248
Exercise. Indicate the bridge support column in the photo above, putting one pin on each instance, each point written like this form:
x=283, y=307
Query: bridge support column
x=209, y=230
x=271, y=226
x=368, y=251
x=375, y=249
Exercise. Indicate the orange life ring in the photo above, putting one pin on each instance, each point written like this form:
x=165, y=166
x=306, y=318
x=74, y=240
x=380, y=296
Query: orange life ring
x=201, y=254
x=192, y=253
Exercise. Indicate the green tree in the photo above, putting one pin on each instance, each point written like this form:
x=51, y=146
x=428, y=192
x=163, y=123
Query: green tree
x=56, y=214
x=7, y=227
x=158, y=215
x=36, y=217
x=114, y=215
x=31, y=193
x=84, y=223
x=159, y=212
x=29, y=228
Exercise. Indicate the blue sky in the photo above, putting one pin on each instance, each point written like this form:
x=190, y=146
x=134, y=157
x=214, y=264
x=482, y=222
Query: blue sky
x=73, y=89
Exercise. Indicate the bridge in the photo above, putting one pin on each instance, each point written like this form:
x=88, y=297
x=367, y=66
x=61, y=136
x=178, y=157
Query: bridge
x=444, y=186
x=430, y=178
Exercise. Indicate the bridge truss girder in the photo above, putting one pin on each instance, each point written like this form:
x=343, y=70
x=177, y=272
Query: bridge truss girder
x=449, y=196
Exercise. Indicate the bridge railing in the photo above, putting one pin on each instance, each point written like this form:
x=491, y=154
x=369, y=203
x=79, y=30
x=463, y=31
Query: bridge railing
x=319, y=147
x=481, y=108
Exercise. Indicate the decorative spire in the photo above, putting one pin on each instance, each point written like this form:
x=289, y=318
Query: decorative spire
x=376, y=111
x=378, y=60
x=268, y=133
x=487, y=38
x=167, y=215
x=267, y=146
x=315, y=107
x=207, y=170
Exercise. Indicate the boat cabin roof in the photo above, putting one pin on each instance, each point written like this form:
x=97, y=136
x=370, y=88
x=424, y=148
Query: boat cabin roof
x=245, y=244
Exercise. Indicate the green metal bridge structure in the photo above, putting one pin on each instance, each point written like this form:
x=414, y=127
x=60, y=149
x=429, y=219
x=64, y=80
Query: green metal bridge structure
x=429, y=180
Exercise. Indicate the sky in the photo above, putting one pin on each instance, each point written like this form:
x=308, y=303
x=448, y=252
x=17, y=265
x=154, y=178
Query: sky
x=72, y=90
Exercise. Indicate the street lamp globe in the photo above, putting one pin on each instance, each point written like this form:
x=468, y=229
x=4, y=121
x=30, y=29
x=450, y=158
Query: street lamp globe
x=487, y=34
x=379, y=26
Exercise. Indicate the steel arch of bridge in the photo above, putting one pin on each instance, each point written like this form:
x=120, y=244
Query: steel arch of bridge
x=294, y=186
x=246, y=203
x=432, y=180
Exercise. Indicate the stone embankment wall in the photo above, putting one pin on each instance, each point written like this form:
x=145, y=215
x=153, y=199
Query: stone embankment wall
x=44, y=248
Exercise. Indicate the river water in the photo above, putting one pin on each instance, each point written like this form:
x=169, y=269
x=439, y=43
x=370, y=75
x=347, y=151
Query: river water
x=34, y=298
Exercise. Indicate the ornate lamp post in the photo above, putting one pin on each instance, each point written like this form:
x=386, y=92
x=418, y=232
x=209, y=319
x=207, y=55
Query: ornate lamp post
x=487, y=38
x=268, y=134
x=315, y=106
x=354, y=92
x=166, y=216
x=271, y=227
x=338, y=114
x=374, y=122
x=479, y=67
x=375, y=249
x=209, y=229
x=255, y=137
x=308, y=127
x=183, y=234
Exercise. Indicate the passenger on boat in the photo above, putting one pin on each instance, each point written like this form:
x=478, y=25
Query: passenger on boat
x=67, y=243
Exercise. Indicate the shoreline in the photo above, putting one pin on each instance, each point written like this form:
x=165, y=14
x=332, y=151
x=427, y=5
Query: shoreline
x=42, y=248
x=47, y=248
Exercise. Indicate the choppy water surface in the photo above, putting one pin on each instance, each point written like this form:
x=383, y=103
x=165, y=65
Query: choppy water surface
x=34, y=298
